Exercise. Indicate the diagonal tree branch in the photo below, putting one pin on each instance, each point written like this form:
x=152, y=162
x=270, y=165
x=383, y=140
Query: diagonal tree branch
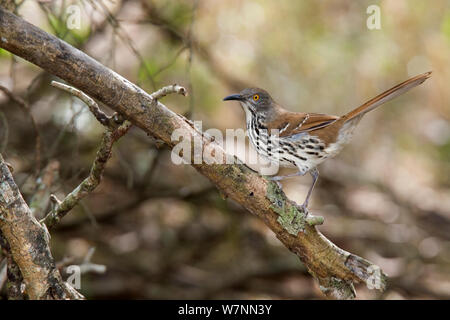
x=335, y=269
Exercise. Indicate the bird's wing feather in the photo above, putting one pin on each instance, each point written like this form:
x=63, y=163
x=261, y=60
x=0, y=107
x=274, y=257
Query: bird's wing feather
x=292, y=123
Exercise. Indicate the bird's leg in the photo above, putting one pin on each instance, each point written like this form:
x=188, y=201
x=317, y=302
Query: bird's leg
x=315, y=175
x=278, y=178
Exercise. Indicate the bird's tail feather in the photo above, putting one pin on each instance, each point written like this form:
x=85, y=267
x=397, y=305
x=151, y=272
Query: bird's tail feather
x=387, y=96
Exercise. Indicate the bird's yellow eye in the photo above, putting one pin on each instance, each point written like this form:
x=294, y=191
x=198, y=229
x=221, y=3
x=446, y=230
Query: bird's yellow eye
x=255, y=97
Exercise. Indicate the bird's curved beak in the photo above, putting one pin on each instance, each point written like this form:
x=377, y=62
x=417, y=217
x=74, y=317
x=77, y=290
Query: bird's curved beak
x=234, y=97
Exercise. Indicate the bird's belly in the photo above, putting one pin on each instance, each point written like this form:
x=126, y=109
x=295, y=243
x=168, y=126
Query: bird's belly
x=301, y=154
x=301, y=159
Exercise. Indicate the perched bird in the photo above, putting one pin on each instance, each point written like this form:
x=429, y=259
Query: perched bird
x=304, y=140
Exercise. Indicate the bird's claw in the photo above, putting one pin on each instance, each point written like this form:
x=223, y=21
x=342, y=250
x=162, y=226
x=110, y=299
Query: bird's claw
x=278, y=184
x=304, y=209
x=276, y=179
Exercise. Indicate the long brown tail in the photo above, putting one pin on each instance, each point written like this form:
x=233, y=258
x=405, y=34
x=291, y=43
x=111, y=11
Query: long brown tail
x=387, y=95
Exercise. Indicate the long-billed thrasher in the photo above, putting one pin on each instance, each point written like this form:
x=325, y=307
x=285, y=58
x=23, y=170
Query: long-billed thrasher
x=304, y=140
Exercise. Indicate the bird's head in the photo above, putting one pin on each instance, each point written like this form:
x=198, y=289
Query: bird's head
x=254, y=99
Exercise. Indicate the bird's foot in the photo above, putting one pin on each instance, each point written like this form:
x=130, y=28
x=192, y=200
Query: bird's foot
x=304, y=208
x=277, y=180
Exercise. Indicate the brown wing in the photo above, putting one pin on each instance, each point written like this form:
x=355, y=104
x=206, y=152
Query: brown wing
x=291, y=123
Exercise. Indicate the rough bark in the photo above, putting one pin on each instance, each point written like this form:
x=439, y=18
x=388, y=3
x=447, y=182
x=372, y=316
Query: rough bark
x=335, y=269
x=28, y=243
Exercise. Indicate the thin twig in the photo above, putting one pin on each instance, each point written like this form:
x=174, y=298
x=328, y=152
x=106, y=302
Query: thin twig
x=121, y=33
x=93, y=106
x=87, y=266
x=168, y=90
x=174, y=32
x=116, y=128
x=92, y=181
x=171, y=62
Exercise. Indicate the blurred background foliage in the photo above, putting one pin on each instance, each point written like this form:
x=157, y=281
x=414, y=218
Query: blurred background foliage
x=163, y=231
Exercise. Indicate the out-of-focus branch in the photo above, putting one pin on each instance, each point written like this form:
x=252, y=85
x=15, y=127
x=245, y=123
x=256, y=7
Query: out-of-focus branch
x=86, y=266
x=26, y=109
x=4, y=132
x=3, y=276
x=40, y=199
x=168, y=28
x=335, y=269
x=28, y=243
x=122, y=34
